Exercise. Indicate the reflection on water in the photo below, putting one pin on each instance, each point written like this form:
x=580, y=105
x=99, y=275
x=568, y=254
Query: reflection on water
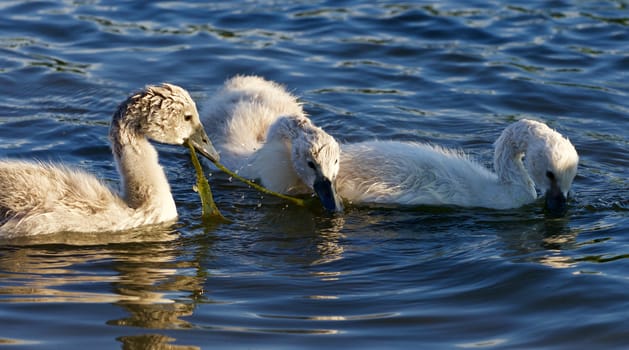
x=155, y=276
x=155, y=316
x=554, y=242
x=541, y=240
x=145, y=279
x=152, y=341
x=157, y=233
x=317, y=235
x=207, y=281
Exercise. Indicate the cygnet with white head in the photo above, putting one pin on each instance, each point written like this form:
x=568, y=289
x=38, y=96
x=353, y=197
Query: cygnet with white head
x=528, y=156
x=262, y=132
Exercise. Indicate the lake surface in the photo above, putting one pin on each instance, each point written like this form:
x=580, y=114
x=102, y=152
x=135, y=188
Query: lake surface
x=453, y=73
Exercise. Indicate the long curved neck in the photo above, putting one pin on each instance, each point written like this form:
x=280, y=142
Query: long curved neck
x=144, y=183
x=274, y=162
x=509, y=151
x=286, y=128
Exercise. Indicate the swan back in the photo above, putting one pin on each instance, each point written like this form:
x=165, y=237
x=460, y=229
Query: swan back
x=412, y=173
x=37, y=198
x=242, y=112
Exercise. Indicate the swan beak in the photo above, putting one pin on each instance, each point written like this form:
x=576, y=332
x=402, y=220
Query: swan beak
x=201, y=142
x=327, y=194
x=556, y=201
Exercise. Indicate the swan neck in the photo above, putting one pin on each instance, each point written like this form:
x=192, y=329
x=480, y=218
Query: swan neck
x=144, y=184
x=281, y=137
x=509, y=153
x=286, y=128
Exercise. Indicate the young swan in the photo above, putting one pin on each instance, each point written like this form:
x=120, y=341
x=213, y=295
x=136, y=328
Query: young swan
x=528, y=154
x=38, y=198
x=263, y=132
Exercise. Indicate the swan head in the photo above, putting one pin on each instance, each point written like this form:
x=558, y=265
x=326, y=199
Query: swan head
x=166, y=113
x=315, y=156
x=551, y=161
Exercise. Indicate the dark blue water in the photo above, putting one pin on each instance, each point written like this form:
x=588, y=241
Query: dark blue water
x=449, y=72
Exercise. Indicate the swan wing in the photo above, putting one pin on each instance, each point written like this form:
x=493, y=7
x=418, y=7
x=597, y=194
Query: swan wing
x=411, y=174
x=36, y=196
x=241, y=113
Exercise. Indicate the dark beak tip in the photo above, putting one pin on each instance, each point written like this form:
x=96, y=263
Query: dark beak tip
x=207, y=150
x=215, y=157
x=556, y=205
x=333, y=206
x=202, y=144
x=327, y=195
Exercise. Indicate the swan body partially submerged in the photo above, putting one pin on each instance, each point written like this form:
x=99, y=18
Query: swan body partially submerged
x=263, y=133
x=528, y=156
x=39, y=198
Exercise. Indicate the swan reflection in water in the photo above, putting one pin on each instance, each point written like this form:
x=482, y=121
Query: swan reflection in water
x=157, y=276
x=146, y=278
x=544, y=240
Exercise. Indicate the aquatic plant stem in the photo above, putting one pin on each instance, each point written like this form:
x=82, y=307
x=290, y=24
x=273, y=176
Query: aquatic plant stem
x=297, y=201
x=209, y=210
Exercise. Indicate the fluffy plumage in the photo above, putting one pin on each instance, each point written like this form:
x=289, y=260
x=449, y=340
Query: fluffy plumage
x=528, y=155
x=262, y=132
x=39, y=198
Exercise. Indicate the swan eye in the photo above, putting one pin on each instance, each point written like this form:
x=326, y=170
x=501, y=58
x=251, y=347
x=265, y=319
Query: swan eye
x=187, y=117
x=336, y=162
x=311, y=165
x=550, y=175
